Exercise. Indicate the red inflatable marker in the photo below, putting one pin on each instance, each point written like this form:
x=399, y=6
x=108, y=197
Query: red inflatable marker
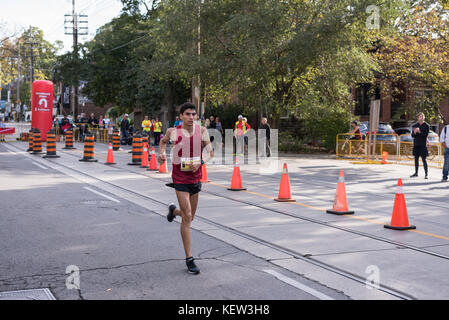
x=42, y=107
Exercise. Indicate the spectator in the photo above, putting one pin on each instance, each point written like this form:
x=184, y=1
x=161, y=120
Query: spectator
x=106, y=121
x=240, y=129
x=93, y=122
x=124, y=128
x=146, y=126
x=157, y=131
x=212, y=123
x=177, y=122
x=218, y=125
x=265, y=126
x=83, y=126
x=65, y=124
x=420, y=131
x=101, y=122
x=2, y=126
x=444, y=138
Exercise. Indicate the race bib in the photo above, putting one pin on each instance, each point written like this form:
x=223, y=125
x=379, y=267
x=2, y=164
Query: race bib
x=187, y=163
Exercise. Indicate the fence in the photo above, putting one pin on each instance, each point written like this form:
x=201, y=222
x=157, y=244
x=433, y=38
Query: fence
x=100, y=134
x=399, y=148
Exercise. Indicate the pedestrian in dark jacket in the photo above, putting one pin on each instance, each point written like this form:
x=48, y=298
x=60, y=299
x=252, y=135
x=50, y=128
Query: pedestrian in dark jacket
x=265, y=126
x=420, y=131
x=124, y=127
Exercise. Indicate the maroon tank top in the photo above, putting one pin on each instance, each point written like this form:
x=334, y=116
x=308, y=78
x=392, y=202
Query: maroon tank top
x=185, y=151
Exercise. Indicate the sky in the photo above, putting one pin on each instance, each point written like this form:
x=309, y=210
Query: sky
x=48, y=15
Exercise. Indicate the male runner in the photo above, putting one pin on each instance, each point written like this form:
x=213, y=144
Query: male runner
x=191, y=149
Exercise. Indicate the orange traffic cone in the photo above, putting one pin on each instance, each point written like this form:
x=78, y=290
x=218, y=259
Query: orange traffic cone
x=163, y=168
x=285, y=194
x=399, y=219
x=110, y=158
x=145, y=157
x=153, y=161
x=340, y=202
x=384, y=157
x=236, y=183
x=204, y=178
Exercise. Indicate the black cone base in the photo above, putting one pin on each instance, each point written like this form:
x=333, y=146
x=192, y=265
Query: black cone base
x=51, y=156
x=69, y=148
x=285, y=200
x=37, y=152
x=109, y=163
x=89, y=160
x=135, y=163
x=399, y=228
x=236, y=189
x=340, y=213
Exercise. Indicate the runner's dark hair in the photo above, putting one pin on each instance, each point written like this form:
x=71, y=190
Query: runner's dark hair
x=186, y=106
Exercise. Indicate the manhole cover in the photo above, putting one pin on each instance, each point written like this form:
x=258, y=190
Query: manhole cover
x=33, y=294
x=96, y=202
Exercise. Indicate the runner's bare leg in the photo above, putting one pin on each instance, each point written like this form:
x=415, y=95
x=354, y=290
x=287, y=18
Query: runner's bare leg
x=194, y=204
x=184, y=204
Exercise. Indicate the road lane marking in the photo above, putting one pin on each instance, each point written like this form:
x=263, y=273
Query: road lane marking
x=297, y=203
x=39, y=165
x=298, y=285
x=373, y=221
x=101, y=194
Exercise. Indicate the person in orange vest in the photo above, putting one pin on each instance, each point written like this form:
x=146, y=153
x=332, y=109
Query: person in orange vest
x=240, y=129
x=2, y=126
x=157, y=131
x=146, y=126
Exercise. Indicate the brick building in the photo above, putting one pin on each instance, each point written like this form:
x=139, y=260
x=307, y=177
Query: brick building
x=391, y=105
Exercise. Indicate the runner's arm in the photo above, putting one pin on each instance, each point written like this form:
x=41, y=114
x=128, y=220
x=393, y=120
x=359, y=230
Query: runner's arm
x=162, y=157
x=208, y=152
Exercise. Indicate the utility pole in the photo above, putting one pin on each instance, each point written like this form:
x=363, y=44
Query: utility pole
x=196, y=83
x=31, y=59
x=31, y=43
x=76, y=29
x=18, y=77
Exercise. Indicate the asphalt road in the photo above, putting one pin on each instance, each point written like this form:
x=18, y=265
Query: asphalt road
x=123, y=249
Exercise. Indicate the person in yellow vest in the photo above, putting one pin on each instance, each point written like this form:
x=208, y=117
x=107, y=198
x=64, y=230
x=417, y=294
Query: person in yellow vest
x=146, y=126
x=240, y=129
x=157, y=131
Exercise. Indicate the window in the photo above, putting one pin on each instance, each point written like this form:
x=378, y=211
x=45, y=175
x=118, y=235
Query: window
x=362, y=100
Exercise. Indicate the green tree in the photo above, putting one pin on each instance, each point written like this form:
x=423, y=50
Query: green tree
x=271, y=54
x=416, y=57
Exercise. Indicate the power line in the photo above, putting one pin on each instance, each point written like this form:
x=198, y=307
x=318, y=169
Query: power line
x=125, y=44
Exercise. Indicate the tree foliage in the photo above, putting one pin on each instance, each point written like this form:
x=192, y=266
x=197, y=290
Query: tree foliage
x=417, y=57
x=44, y=54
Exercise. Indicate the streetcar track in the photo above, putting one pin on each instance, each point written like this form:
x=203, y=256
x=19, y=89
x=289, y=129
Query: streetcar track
x=292, y=215
x=303, y=257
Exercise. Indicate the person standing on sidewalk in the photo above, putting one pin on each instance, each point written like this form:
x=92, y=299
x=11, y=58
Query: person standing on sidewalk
x=444, y=138
x=157, y=131
x=265, y=126
x=420, y=131
x=124, y=128
x=2, y=126
x=188, y=156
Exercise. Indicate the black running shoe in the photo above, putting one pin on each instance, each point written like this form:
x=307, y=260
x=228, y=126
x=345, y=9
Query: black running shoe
x=171, y=209
x=191, y=266
x=414, y=175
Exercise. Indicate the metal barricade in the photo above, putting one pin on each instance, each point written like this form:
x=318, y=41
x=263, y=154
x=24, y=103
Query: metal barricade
x=348, y=147
x=405, y=150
